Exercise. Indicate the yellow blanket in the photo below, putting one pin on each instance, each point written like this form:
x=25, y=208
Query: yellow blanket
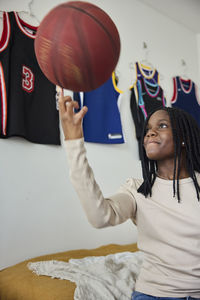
x=19, y=283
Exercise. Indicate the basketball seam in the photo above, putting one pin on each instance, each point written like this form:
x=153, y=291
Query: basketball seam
x=85, y=50
x=96, y=20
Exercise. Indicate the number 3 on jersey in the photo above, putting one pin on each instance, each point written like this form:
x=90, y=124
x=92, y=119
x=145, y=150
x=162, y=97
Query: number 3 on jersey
x=27, y=79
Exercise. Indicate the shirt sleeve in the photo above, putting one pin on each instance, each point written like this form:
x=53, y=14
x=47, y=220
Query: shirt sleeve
x=101, y=212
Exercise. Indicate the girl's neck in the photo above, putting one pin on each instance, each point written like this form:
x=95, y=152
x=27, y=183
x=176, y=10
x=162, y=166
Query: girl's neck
x=166, y=170
x=170, y=175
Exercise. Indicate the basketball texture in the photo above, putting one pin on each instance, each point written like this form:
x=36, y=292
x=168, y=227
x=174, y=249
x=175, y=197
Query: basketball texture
x=77, y=46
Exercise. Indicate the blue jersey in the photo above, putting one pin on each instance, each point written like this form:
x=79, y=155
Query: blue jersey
x=184, y=97
x=102, y=123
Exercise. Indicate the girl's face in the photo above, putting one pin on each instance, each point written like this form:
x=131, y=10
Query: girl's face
x=158, y=141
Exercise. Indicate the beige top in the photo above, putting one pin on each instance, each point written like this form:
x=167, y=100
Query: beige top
x=168, y=231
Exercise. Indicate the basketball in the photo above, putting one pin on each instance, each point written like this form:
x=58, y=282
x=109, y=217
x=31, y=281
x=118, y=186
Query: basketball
x=77, y=46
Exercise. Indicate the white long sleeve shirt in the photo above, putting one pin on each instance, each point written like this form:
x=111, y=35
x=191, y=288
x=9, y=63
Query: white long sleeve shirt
x=168, y=231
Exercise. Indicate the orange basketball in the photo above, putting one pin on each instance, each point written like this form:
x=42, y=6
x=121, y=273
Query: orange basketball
x=77, y=46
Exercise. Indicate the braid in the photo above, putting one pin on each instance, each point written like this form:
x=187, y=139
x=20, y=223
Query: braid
x=175, y=138
x=147, y=184
x=191, y=138
x=184, y=129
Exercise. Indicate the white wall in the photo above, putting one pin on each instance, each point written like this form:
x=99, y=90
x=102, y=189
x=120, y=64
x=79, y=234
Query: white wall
x=198, y=51
x=39, y=210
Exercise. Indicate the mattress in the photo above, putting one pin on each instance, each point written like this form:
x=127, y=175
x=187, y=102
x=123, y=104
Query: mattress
x=19, y=283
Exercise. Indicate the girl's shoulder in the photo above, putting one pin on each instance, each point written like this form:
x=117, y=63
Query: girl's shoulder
x=132, y=184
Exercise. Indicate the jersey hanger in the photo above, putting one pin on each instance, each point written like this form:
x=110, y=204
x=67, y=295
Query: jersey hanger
x=184, y=74
x=145, y=60
x=31, y=11
x=28, y=15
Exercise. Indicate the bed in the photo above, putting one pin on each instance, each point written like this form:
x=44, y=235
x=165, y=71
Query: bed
x=19, y=283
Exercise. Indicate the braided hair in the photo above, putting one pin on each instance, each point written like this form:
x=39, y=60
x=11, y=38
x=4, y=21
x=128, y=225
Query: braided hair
x=184, y=129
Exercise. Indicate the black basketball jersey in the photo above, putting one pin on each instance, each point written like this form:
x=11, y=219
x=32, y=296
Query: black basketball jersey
x=28, y=98
x=150, y=74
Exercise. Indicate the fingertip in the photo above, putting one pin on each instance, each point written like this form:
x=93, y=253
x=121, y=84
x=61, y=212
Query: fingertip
x=60, y=91
x=68, y=98
x=85, y=108
x=76, y=104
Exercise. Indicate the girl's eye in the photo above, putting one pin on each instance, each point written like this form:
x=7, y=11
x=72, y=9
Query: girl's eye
x=163, y=125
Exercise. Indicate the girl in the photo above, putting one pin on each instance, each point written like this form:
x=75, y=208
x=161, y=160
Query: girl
x=164, y=205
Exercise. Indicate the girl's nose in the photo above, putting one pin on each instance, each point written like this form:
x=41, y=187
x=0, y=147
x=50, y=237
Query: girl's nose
x=151, y=132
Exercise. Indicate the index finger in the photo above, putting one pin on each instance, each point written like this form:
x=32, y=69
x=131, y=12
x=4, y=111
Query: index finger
x=61, y=102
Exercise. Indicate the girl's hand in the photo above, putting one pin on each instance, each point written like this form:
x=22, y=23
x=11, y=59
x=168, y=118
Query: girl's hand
x=71, y=122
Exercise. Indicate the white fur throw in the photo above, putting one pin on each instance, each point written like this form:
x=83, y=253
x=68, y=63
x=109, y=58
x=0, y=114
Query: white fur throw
x=98, y=277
